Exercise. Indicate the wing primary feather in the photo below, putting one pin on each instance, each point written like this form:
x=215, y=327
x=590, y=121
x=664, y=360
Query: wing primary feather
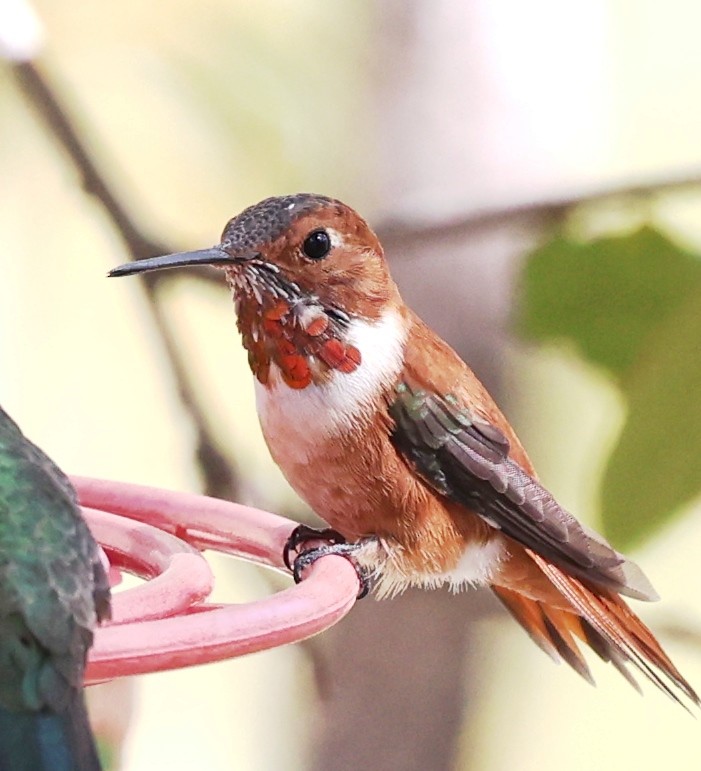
x=464, y=457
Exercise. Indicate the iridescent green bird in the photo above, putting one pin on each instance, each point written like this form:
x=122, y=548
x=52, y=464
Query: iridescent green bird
x=53, y=592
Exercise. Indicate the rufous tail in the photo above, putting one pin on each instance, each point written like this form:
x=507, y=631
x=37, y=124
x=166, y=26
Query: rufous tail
x=600, y=619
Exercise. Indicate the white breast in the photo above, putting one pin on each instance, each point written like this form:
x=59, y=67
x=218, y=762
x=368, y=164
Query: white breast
x=297, y=417
x=295, y=423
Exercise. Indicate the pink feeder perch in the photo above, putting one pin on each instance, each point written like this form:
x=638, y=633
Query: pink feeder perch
x=166, y=623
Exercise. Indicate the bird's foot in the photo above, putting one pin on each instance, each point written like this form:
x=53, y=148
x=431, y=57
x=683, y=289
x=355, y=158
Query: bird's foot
x=303, y=534
x=336, y=544
x=306, y=558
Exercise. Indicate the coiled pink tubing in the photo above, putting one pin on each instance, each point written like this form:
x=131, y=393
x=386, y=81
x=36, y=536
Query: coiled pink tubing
x=166, y=622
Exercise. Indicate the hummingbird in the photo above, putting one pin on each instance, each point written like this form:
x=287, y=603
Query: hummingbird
x=53, y=592
x=393, y=441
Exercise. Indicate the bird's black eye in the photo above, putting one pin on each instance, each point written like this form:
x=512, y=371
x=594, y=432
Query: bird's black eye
x=317, y=245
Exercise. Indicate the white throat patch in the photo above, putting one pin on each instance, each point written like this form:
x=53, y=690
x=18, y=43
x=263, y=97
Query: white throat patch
x=336, y=404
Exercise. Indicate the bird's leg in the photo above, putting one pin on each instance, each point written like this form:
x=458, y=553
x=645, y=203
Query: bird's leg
x=336, y=544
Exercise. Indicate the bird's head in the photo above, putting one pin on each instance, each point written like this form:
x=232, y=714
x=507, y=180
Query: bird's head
x=303, y=268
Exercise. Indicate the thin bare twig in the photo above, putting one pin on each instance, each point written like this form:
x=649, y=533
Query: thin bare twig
x=545, y=210
x=218, y=474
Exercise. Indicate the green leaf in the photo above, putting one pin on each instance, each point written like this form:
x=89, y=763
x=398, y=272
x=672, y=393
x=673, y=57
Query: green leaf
x=631, y=304
x=655, y=468
x=605, y=296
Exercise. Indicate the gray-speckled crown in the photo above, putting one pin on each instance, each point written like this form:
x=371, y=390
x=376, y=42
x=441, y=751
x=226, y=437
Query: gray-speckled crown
x=267, y=220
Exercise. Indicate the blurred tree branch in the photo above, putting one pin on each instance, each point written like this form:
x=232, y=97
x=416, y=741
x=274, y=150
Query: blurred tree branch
x=218, y=473
x=47, y=103
x=681, y=631
x=398, y=230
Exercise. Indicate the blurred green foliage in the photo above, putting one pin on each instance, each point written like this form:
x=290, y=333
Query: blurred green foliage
x=630, y=304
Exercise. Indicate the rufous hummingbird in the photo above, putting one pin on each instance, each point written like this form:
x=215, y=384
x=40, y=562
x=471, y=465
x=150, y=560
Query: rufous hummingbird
x=390, y=438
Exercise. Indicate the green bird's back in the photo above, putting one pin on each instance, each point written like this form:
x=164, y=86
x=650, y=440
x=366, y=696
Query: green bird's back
x=53, y=592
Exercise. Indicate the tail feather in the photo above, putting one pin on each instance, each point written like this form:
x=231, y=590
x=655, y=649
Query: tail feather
x=624, y=632
x=559, y=625
x=549, y=628
x=601, y=620
x=606, y=653
x=529, y=614
x=46, y=741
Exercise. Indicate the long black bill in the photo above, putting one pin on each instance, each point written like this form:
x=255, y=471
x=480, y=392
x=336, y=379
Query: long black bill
x=214, y=256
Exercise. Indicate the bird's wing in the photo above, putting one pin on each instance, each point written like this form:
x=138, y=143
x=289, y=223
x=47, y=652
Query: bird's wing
x=466, y=458
x=50, y=573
